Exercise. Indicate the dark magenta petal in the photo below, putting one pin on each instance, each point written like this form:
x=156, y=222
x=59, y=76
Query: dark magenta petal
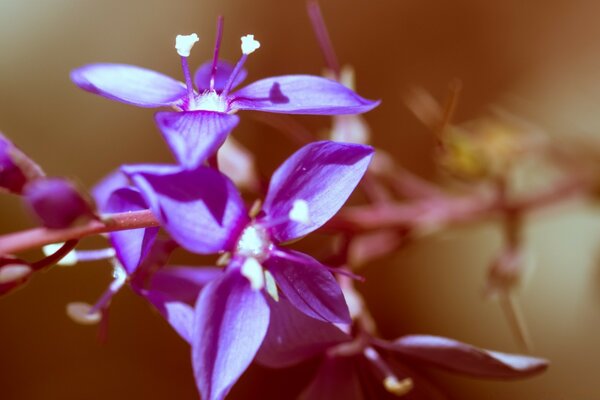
x=103, y=189
x=230, y=325
x=16, y=169
x=224, y=69
x=323, y=174
x=300, y=94
x=56, y=202
x=466, y=359
x=129, y=84
x=336, y=378
x=294, y=337
x=309, y=286
x=193, y=136
x=201, y=209
x=131, y=245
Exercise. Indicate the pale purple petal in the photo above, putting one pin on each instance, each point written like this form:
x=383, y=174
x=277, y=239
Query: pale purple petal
x=224, y=70
x=107, y=185
x=230, y=325
x=294, y=337
x=193, y=136
x=178, y=314
x=323, y=174
x=336, y=378
x=308, y=285
x=201, y=208
x=466, y=359
x=131, y=245
x=129, y=84
x=300, y=94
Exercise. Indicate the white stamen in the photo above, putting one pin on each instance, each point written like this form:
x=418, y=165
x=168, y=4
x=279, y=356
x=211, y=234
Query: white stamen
x=300, y=212
x=271, y=286
x=252, y=270
x=209, y=101
x=80, y=313
x=249, y=45
x=67, y=261
x=184, y=44
x=119, y=275
x=254, y=242
x=13, y=272
x=397, y=387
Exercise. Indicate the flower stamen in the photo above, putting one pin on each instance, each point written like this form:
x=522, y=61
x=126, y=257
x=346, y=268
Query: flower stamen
x=213, y=70
x=253, y=271
x=183, y=45
x=249, y=45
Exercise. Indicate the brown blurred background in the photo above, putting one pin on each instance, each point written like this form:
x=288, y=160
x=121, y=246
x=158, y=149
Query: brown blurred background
x=539, y=59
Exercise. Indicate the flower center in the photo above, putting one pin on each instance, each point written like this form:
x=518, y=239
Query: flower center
x=209, y=101
x=254, y=242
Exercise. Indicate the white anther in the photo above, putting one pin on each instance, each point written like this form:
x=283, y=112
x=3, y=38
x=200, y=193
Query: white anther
x=80, y=313
x=300, y=212
x=271, y=286
x=184, y=44
x=68, y=260
x=249, y=45
x=397, y=387
x=13, y=272
x=252, y=270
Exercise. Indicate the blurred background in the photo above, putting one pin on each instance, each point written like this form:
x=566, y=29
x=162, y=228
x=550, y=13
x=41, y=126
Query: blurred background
x=540, y=60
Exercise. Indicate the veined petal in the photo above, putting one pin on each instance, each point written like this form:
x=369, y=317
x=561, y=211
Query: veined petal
x=131, y=245
x=294, y=337
x=107, y=185
x=308, y=285
x=129, y=84
x=230, y=325
x=224, y=70
x=337, y=378
x=300, y=94
x=323, y=174
x=466, y=359
x=200, y=208
x=193, y=136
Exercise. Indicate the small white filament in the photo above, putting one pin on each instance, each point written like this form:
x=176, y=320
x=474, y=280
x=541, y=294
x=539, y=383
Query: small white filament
x=67, y=261
x=80, y=313
x=300, y=212
x=184, y=44
x=13, y=272
x=271, y=286
x=252, y=270
x=249, y=45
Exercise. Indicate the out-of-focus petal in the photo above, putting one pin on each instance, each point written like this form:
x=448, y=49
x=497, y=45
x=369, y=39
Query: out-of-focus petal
x=193, y=136
x=230, y=325
x=323, y=174
x=129, y=84
x=178, y=314
x=294, y=337
x=224, y=70
x=309, y=286
x=107, y=185
x=337, y=378
x=238, y=164
x=466, y=359
x=131, y=245
x=13, y=273
x=200, y=208
x=56, y=202
x=300, y=94
x=16, y=169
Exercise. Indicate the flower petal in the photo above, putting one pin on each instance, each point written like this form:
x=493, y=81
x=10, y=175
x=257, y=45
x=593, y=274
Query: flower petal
x=309, y=286
x=107, y=185
x=131, y=245
x=337, y=378
x=201, y=209
x=224, y=70
x=193, y=136
x=294, y=337
x=466, y=359
x=300, y=94
x=323, y=174
x=129, y=84
x=230, y=325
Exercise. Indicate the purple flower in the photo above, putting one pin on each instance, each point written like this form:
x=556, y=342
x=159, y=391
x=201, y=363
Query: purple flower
x=205, y=113
x=202, y=210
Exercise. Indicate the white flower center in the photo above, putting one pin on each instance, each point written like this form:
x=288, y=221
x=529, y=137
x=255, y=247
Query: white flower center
x=254, y=242
x=209, y=101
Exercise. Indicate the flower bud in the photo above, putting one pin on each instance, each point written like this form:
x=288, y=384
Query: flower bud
x=16, y=169
x=13, y=273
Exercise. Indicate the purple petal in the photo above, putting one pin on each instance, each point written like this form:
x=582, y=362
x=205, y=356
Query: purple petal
x=300, y=94
x=201, y=208
x=337, y=378
x=466, y=359
x=323, y=174
x=129, y=84
x=131, y=245
x=178, y=314
x=294, y=337
x=309, y=286
x=230, y=325
x=193, y=136
x=224, y=70
x=103, y=189
x=56, y=202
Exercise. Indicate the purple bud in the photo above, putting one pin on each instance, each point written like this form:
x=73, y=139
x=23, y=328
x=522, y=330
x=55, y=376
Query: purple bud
x=56, y=202
x=13, y=273
x=16, y=169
